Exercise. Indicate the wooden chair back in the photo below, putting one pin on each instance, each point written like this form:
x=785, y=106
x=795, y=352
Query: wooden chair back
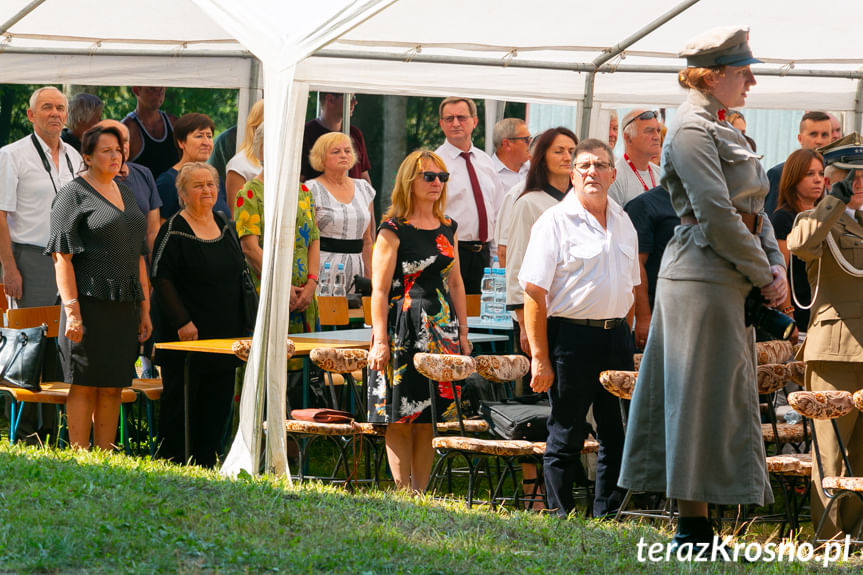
x=4, y=304
x=474, y=305
x=34, y=317
x=367, y=310
x=333, y=310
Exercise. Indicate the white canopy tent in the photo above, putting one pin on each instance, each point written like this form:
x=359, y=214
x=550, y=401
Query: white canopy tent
x=617, y=53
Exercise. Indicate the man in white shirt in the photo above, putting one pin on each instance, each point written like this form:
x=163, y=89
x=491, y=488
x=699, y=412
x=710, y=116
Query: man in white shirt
x=512, y=161
x=32, y=169
x=474, y=191
x=578, y=276
x=642, y=140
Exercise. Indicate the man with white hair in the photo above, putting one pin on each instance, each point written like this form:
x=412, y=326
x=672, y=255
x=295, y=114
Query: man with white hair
x=32, y=169
x=511, y=159
x=642, y=140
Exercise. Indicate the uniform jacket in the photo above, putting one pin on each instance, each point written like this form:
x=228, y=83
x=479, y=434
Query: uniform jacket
x=835, y=328
x=710, y=172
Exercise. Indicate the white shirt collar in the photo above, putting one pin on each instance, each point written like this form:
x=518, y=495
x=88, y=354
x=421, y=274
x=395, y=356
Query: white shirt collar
x=452, y=152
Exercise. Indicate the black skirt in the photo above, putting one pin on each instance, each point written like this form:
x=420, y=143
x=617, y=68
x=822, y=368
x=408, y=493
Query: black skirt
x=105, y=356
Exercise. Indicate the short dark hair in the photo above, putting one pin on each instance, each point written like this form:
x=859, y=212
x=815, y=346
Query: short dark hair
x=814, y=116
x=91, y=137
x=592, y=144
x=537, y=176
x=188, y=123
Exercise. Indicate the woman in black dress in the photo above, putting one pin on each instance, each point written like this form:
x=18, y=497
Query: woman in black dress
x=197, y=276
x=418, y=305
x=800, y=188
x=98, y=246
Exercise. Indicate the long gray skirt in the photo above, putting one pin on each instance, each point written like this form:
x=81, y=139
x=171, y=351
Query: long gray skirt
x=694, y=429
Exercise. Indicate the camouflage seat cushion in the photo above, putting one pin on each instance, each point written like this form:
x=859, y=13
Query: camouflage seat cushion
x=503, y=447
x=339, y=360
x=799, y=464
x=788, y=432
x=502, y=368
x=442, y=367
x=821, y=404
x=619, y=383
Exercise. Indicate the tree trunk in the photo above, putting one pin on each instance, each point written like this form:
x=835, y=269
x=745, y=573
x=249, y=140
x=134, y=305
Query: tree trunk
x=395, y=145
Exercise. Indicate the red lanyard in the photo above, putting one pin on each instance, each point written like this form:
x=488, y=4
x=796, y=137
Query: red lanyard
x=637, y=175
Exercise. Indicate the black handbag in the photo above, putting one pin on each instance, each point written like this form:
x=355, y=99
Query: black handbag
x=250, y=293
x=518, y=418
x=21, y=352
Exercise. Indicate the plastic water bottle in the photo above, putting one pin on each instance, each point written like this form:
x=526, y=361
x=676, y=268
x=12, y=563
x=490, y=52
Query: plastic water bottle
x=494, y=262
x=793, y=417
x=500, y=315
x=339, y=288
x=324, y=288
x=487, y=296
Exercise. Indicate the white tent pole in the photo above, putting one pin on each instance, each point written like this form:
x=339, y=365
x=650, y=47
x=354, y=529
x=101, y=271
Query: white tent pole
x=21, y=14
x=858, y=107
x=587, y=105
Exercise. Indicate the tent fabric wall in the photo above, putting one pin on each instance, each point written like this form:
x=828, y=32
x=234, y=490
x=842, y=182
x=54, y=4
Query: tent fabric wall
x=498, y=49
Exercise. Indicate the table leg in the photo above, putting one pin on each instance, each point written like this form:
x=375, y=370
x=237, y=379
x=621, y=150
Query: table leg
x=186, y=404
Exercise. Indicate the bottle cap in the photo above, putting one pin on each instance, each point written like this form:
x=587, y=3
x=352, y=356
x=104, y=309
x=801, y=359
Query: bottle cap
x=341, y=267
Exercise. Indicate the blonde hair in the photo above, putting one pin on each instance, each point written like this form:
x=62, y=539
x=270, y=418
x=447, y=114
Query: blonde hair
x=185, y=174
x=402, y=198
x=696, y=78
x=322, y=147
x=253, y=120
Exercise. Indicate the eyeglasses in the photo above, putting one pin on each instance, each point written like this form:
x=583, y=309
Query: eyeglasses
x=584, y=167
x=525, y=139
x=648, y=115
x=430, y=176
x=451, y=119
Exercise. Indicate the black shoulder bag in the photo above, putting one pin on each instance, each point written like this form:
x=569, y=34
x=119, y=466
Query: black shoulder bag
x=250, y=294
x=21, y=352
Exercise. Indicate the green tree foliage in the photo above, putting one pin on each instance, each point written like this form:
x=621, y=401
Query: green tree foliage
x=220, y=105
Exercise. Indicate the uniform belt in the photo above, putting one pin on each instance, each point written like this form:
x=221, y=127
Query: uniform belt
x=603, y=323
x=475, y=247
x=753, y=222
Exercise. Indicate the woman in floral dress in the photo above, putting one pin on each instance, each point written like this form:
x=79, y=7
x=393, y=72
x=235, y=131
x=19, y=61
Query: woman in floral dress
x=418, y=305
x=249, y=214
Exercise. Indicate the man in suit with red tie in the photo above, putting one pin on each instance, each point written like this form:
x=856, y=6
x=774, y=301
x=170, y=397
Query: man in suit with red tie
x=474, y=191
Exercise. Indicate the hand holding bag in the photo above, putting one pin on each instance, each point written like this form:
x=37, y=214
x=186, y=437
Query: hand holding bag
x=21, y=352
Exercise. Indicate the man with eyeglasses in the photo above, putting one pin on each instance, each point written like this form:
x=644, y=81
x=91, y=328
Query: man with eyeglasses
x=512, y=161
x=474, y=192
x=330, y=120
x=578, y=275
x=642, y=140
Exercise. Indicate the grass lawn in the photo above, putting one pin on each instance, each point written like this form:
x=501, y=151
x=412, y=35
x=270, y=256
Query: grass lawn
x=67, y=512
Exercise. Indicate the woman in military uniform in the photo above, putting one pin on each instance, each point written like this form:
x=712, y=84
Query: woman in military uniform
x=829, y=239
x=694, y=429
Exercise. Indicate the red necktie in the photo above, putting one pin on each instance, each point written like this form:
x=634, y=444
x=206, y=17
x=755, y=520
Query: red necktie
x=477, y=198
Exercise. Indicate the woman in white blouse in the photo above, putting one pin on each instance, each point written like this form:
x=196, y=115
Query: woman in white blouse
x=344, y=207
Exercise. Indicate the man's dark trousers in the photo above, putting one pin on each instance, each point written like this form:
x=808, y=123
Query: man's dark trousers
x=578, y=355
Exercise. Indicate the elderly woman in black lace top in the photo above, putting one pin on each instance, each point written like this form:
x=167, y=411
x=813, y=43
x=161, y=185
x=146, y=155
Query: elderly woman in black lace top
x=98, y=246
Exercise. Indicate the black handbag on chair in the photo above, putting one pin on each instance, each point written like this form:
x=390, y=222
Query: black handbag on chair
x=21, y=352
x=519, y=417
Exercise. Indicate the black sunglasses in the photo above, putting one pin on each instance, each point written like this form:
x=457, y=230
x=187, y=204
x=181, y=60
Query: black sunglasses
x=648, y=115
x=430, y=176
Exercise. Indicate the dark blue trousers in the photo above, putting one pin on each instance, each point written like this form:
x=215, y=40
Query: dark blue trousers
x=578, y=355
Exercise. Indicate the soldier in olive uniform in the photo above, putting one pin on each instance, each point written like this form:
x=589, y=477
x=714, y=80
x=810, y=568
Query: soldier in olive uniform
x=829, y=239
x=694, y=431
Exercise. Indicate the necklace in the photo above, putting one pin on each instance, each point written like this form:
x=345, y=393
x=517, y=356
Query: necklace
x=203, y=219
